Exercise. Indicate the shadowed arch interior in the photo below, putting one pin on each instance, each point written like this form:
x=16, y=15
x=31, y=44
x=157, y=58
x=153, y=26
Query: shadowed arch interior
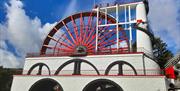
x=40, y=65
x=102, y=85
x=120, y=68
x=46, y=85
x=77, y=66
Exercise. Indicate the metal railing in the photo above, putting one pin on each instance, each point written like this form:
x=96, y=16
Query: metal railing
x=101, y=52
x=120, y=2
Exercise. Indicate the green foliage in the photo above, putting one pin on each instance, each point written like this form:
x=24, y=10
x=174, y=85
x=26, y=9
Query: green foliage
x=6, y=76
x=161, y=52
x=177, y=73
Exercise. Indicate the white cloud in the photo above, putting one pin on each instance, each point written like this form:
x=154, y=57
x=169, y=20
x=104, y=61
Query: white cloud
x=44, y=30
x=25, y=34
x=8, y=60
x=163, y=17
x=3, y=36
x=71, y=8
x=3, y=33
x=3, y=45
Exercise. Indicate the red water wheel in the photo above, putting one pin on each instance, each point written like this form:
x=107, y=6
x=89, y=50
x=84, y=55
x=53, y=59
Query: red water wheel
x=76, y=35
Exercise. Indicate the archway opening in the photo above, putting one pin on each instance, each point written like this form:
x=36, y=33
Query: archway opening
x=102, y=85
x=46, y=85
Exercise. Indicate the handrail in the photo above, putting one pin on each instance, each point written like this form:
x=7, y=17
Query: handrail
x=173, y=61
x=120, y=2
x=101, y=52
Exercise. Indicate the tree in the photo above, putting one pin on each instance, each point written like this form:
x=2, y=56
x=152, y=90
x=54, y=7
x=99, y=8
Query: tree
x=5, y=79
x=6, y=76
x=160, y=51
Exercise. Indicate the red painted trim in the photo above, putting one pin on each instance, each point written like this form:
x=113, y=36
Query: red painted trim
x=99, y=75
x=90, y=54
x=148, y=70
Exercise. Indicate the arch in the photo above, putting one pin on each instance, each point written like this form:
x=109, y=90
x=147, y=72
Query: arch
x=46, y=84
x=40, y=68
x=77, y=66
x=120, y=69
x=102, y=85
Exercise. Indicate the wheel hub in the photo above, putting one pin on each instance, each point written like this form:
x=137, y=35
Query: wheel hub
x=81, y=50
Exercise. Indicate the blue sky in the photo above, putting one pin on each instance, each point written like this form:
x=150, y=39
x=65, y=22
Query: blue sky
x=49, y=10
x=25, y=23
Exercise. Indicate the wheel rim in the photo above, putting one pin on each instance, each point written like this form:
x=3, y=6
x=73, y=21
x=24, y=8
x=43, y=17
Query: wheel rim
x=79, y=31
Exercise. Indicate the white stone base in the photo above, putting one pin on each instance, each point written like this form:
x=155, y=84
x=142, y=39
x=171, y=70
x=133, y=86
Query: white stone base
x=77, y=83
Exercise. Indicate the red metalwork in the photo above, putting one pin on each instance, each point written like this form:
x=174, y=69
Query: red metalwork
x=139, y=21
x=170, y=72
x=80, y=30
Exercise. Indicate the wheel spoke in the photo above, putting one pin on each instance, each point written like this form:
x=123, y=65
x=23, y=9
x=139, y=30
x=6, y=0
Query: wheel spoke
x=54, y=51
x=75, y=29
x=109, y=42
x=81, y=28
x=87, y=27
x=69, y=32
x=83, y=34
x=65, y=44
x=69, y=41
x=91, y=32
x=107, y=34
x=107, y=37
x=95, y=35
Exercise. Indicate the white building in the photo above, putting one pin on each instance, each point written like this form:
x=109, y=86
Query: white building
x=96, y=51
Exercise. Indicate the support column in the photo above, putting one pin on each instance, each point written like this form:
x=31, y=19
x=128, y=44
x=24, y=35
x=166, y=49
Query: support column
x=143, y=40
x=125, y=16
x=97, y=29
x=106, y=16
x=117, y=27
x=130, y=29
